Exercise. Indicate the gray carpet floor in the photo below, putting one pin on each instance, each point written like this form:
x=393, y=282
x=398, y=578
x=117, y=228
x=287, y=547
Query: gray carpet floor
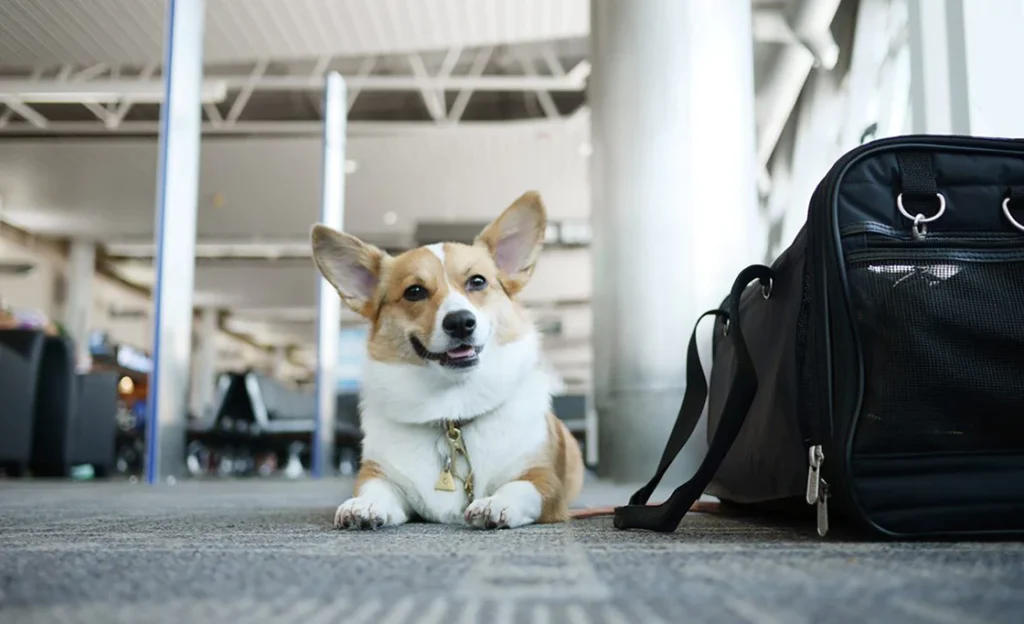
x=264, y=551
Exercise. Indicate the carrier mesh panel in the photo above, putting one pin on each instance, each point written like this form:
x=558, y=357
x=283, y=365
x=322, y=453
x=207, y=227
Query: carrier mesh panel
x=943, y=347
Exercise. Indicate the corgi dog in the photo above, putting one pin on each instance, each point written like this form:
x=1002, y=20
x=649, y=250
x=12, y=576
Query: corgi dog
x=456, y=398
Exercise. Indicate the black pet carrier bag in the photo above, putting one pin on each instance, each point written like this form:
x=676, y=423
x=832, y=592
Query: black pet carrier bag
x=875, y=372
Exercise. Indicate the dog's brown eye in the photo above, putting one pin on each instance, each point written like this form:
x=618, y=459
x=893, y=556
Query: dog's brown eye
x=415, y=293
x=477, y=282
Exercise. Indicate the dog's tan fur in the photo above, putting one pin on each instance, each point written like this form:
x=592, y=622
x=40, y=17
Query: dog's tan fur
x=368, y=470
x=558, y=476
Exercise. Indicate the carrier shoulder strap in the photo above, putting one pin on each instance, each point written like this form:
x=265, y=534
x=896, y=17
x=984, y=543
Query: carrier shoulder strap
x=667, y=516
x=689, y=412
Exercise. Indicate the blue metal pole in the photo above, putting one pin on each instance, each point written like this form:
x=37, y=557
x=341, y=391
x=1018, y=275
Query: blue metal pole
x=176, y=197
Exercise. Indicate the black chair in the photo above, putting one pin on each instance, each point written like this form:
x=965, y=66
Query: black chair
x=55, y=387
x=347, y=433
x=286, y=419
x=278, y=409
x=258, y=414
x=219, y=444
x=55, y=407
x=94, y=427
x=17, y=410
x=346, y=419
x=73, y=419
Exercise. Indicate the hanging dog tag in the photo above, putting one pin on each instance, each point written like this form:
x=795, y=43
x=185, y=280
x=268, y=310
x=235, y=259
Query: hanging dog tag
x=445, y=482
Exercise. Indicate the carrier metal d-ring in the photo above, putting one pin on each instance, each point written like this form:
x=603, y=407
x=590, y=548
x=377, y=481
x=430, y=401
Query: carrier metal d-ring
x=920, y=221
x=1006, y=211
x=766, y=289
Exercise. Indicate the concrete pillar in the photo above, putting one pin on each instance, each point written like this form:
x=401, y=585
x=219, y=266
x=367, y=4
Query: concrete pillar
x=674, y=207
x=78, y=303
x=938, y=70
x=328, y=328
x=204, y=369
x=176, y=199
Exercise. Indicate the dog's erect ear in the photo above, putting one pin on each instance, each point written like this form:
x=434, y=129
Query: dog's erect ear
x=350, y=265
x=515, y=240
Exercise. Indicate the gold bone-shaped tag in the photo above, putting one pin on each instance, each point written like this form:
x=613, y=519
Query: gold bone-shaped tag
x=445, y=482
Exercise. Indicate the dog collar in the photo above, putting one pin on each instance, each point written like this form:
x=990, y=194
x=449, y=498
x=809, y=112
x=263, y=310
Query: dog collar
x=456, y=447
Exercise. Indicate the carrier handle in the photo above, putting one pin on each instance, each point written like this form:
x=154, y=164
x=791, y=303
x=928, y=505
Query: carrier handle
x=667, y=516
x=919, y=188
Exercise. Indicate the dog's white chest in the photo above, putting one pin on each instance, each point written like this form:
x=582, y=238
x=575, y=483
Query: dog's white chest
x=501, y=446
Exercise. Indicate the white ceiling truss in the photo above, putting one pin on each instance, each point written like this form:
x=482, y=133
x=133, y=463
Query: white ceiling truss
x=267, y=97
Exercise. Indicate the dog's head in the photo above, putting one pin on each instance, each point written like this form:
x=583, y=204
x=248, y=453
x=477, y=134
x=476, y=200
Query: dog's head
x=446, y=306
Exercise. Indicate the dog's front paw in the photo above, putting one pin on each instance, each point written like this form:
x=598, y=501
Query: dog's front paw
x=360, y=513
x=496, y=512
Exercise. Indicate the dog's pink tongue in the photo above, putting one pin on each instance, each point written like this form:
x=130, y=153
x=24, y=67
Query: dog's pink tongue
x=461, y=352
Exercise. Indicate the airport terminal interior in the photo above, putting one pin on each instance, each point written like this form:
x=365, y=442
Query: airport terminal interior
x=180, y=386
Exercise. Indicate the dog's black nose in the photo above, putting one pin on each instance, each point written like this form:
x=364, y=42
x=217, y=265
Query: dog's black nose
x=459, y=324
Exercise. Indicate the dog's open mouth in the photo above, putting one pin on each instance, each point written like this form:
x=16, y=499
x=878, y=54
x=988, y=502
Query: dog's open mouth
x=460, y=356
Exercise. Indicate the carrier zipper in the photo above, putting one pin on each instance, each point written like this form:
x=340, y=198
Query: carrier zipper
x=818, y=419
x=875, y=235
x=817, y=487
x=949, y=254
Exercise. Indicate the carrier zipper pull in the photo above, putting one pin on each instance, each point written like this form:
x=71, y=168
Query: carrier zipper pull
x=817, y=487
x=815, y=457
x=823, y=509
